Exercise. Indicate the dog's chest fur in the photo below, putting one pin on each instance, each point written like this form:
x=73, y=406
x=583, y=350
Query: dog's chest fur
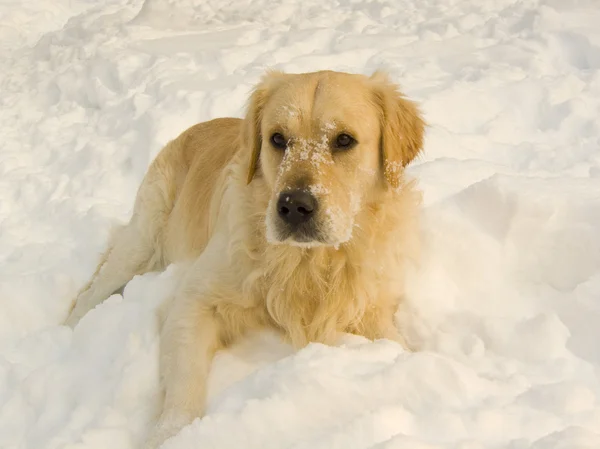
x=313, y=294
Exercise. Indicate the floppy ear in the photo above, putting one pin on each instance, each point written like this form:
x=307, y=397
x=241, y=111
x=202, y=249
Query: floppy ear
x=402, y=127
x=251, y=128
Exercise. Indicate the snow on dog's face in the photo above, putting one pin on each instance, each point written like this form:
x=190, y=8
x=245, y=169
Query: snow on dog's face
x=326, y=144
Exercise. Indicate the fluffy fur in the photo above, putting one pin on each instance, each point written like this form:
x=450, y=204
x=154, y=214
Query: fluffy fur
x=208, y=201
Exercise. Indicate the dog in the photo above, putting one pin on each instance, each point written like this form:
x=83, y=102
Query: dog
x=298, y=218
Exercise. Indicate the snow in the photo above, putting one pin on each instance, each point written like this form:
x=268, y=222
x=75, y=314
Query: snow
x=504, y=306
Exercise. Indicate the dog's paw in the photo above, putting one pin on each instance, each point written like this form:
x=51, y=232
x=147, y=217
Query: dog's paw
x=73, y=318
x=167, y=427
x=158, y=437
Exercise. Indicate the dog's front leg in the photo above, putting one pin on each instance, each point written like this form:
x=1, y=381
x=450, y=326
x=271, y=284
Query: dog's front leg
x=190, y=337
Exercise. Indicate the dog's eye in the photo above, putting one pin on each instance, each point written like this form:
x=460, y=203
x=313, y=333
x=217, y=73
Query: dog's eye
x=344, y=141
x=278, y=141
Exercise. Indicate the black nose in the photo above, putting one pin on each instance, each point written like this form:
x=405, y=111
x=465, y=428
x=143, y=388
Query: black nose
x=296, y=206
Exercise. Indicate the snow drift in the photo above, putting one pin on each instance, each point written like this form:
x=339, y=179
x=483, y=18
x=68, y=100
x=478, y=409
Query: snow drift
x=505, y=304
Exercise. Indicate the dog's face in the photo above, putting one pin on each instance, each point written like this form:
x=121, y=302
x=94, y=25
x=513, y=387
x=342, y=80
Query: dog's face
x=326, y=144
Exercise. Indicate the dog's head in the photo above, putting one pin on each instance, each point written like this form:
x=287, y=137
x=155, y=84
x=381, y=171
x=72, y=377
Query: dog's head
x=326, y=143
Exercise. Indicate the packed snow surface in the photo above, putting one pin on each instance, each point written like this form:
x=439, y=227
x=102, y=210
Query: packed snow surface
x=506, y=303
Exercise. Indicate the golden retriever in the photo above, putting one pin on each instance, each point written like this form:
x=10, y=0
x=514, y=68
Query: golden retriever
x=298, y=217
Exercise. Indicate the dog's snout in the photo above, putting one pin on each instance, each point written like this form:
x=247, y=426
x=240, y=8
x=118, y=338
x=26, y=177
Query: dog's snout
x=296, y=206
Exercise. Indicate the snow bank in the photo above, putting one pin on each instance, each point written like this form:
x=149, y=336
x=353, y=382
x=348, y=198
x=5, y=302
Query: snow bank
x=506, y=302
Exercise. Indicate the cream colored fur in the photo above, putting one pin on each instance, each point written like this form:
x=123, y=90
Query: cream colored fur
x=207, y=201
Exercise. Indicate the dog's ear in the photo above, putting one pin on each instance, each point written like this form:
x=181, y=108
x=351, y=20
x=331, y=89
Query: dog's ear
x=251, y=128
x=402, y=127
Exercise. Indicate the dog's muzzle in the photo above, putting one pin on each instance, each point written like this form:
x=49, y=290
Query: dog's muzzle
x=297, y=210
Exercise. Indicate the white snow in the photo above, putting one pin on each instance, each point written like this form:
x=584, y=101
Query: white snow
x=505, y=305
